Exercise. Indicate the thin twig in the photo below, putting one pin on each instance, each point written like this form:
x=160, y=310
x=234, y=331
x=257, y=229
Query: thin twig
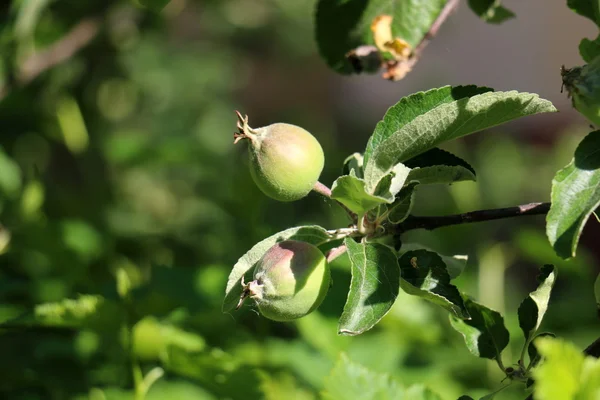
x=325, y=191
x=79, y=37
x=336, y=252
x=322, y=189
x=430, y=223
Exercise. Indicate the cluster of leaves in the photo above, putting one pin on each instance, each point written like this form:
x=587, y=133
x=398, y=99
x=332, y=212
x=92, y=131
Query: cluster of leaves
x=401, y=155
x=380, y=191
x=345, y=35
x=100, y=183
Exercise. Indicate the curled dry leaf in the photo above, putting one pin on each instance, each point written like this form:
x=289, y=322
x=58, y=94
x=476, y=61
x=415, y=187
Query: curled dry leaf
x=384, y=40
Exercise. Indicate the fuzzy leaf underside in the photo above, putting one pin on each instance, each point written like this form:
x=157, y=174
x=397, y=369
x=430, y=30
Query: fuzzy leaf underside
x=450, y=121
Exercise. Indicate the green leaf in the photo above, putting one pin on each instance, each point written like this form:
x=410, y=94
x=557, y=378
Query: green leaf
x=439, y=166
x=485, y=334
x=424, y=274
x=374, y=287
x=491, y=11
x=343, y=25
x=154, y=5
x=10, y=176
x=410, y=107
x=450, y=121
x=277, y=386
x=565, y=373
x=152, y=339
x=392, y=182
x=589, y=49
x=586, y=8
x=454, y=264
x=533, y=308
x=217, y=371
x=311, y=234
x=400, y=208
x=575, y=195
x=420, y=392
x=84, y=311
x=534, y=356
x=349, y=380
x=351, y=192
x=597, y=291
x=353, y=165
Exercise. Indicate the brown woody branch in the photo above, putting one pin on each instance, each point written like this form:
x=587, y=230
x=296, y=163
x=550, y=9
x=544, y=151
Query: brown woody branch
x=79, y=37
x=430, y=223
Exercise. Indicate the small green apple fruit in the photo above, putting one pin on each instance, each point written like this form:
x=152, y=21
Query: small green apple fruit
x=285, y=160
x=290, y=281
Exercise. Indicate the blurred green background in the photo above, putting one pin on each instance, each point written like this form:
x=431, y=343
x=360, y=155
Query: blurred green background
x=118, y=175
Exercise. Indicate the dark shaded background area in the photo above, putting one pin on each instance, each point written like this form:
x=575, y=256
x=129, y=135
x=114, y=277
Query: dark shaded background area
x=119, y=162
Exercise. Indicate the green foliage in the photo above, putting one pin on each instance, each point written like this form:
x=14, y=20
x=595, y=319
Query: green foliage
x=586, y=8
x=400, y=208
x=373, y=289
x=154, y=5
x=491, y=11
x=485, y=334
x=350, y=380
x=532, y=309
x=124, y=206
x=343, y=25
x=410, y=107
x=425, y=274
x=565, y=372
x=448, y=121
x=589, y=49
x=439, y=166
x=575, y=195
x=532, y=351
x=352, y=192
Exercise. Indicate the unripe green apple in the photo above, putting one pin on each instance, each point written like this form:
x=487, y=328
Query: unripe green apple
x=285, y=160
x=583, y=85
x=290, y=281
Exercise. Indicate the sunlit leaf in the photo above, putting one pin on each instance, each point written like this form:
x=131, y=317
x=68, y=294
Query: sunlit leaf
x=533, y=308
x=410, y=107
x=447, y=121
x=438, y=166
x=485, y=334
x=343, y=25
x=565, y=373
x=349, y=380
x=575, y=195
x=425, y=274
x=374, y=287
x=534, y=356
